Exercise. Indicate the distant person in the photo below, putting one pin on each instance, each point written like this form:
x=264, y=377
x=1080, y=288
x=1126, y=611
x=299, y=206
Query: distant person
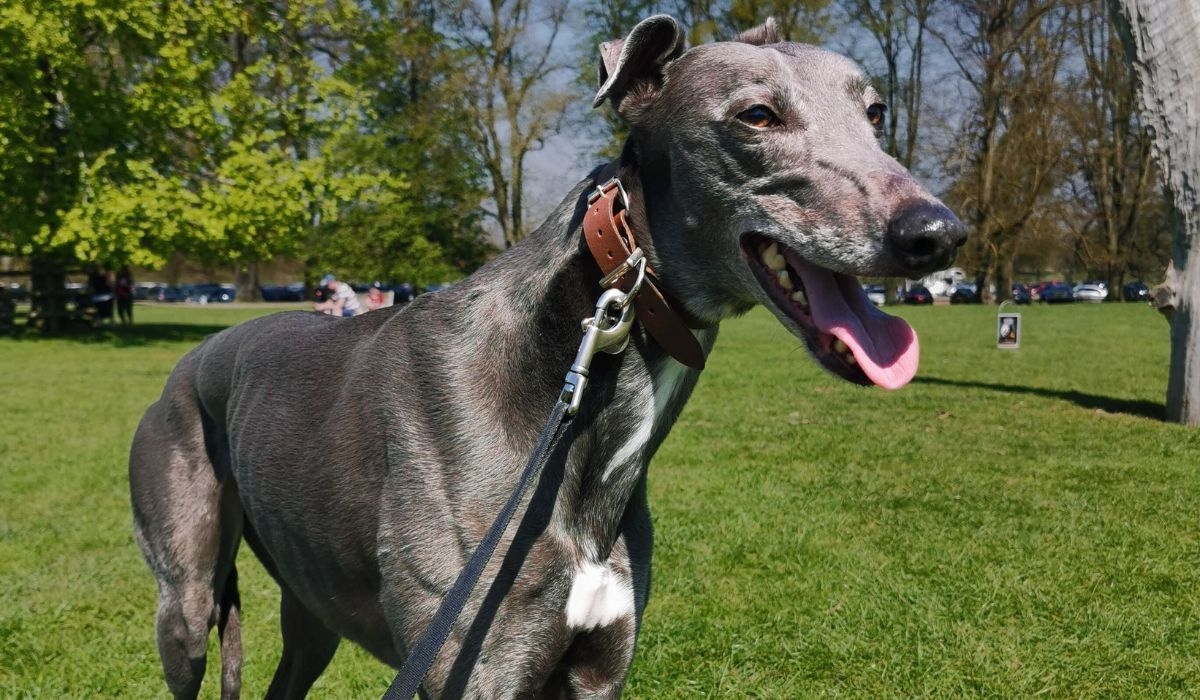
x=376, y=299
x=124, y=294
x=341, y=300
x=100, y=285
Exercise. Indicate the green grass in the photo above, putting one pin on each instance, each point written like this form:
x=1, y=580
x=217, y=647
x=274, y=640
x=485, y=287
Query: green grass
x=1013, y=523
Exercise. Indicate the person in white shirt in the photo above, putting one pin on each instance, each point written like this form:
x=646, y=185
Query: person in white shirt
x=342, y=301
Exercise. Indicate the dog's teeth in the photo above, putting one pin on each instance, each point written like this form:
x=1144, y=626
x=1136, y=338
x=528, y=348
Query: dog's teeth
x=840, y=346
x=799, y=297
x=785, y=280
x=773, y=259
x=849, y=358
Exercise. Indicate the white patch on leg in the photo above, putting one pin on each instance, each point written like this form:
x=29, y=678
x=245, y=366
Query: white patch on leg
x=599, y=596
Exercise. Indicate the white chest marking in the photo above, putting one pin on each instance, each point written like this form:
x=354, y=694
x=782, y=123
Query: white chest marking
x=599, y=596
x=654, y=400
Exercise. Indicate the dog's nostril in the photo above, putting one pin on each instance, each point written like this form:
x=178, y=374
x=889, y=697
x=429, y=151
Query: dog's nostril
x=923, y=247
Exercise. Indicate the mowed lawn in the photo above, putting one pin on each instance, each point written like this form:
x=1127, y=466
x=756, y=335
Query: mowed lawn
x=1012, y=524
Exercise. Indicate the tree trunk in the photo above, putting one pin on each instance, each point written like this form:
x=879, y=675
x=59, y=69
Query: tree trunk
x=1163, y=40
x=48, y=296
x=1003, y=280
x=48, y=304
x=247, y=283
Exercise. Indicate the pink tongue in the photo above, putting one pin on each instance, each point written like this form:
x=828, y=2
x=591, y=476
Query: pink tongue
x=885, y=347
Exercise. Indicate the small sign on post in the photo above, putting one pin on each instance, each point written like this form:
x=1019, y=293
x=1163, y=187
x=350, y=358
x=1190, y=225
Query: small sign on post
x=1008, y=329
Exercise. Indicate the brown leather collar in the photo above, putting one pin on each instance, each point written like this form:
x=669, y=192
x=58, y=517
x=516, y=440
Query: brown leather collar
x=611, y=241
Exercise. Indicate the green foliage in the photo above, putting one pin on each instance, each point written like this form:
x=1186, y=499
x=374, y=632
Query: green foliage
x=258, y=201
x=227, y=131
x=140, y=217
x=420, y=124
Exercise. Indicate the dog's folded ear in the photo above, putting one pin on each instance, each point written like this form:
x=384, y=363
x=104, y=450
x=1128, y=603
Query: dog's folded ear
x=763, y=34
x=637, y=61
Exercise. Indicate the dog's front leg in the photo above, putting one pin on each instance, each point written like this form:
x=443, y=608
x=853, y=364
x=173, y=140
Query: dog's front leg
x=597, y=663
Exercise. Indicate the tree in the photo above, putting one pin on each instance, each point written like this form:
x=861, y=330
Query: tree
x=228, y=132
x=1110, y=150
x=1163, y=41
x=798, y=20
x=84, y=81
x=1008, y=53
x=516, y=70
x=421, y=124
x=899, y=28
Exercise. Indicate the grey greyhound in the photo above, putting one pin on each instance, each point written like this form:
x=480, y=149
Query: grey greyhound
x=754, y=176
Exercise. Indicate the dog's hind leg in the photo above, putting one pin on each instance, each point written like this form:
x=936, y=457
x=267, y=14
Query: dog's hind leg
x=191, y=580
x=308, y=647
x=229, y=627
x=188, y=524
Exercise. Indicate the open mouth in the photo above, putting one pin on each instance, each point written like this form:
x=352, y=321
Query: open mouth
x=846, y=333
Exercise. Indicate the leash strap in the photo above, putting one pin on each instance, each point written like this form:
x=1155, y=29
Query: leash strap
x=420, y=658
x=611, y=241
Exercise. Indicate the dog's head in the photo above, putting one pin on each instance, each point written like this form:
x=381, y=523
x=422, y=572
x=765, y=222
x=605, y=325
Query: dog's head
x=764, y=182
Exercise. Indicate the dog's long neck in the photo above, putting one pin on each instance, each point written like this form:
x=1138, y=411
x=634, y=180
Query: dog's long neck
x=529, y=303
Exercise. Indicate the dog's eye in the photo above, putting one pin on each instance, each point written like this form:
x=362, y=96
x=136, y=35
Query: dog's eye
x=875, y=114
x=759, y=117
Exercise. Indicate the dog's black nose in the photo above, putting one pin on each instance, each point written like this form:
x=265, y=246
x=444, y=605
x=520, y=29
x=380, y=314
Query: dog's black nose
x=925, y=236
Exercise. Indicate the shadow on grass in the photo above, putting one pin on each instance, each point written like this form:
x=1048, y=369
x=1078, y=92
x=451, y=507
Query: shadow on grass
x=138, y=335
x=1142, y=409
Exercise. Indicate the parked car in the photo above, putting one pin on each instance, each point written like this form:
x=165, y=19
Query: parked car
x=1037, y=289
x=876, y=293
x=1089, y=292
x=404, y=292
x=147, y=291
x=16, y=292
x=965, y=293
x=282, y=292
x=918, y=295
x=169, y=295
x=1057, y=293
x=1021, y=294
x=1135, y=291
x=209, y=292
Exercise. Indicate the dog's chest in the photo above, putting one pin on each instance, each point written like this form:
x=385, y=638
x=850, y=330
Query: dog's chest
x=652, y=401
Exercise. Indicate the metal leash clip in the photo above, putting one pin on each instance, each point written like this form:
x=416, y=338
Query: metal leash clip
x=637, y=260
x=607, y=331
